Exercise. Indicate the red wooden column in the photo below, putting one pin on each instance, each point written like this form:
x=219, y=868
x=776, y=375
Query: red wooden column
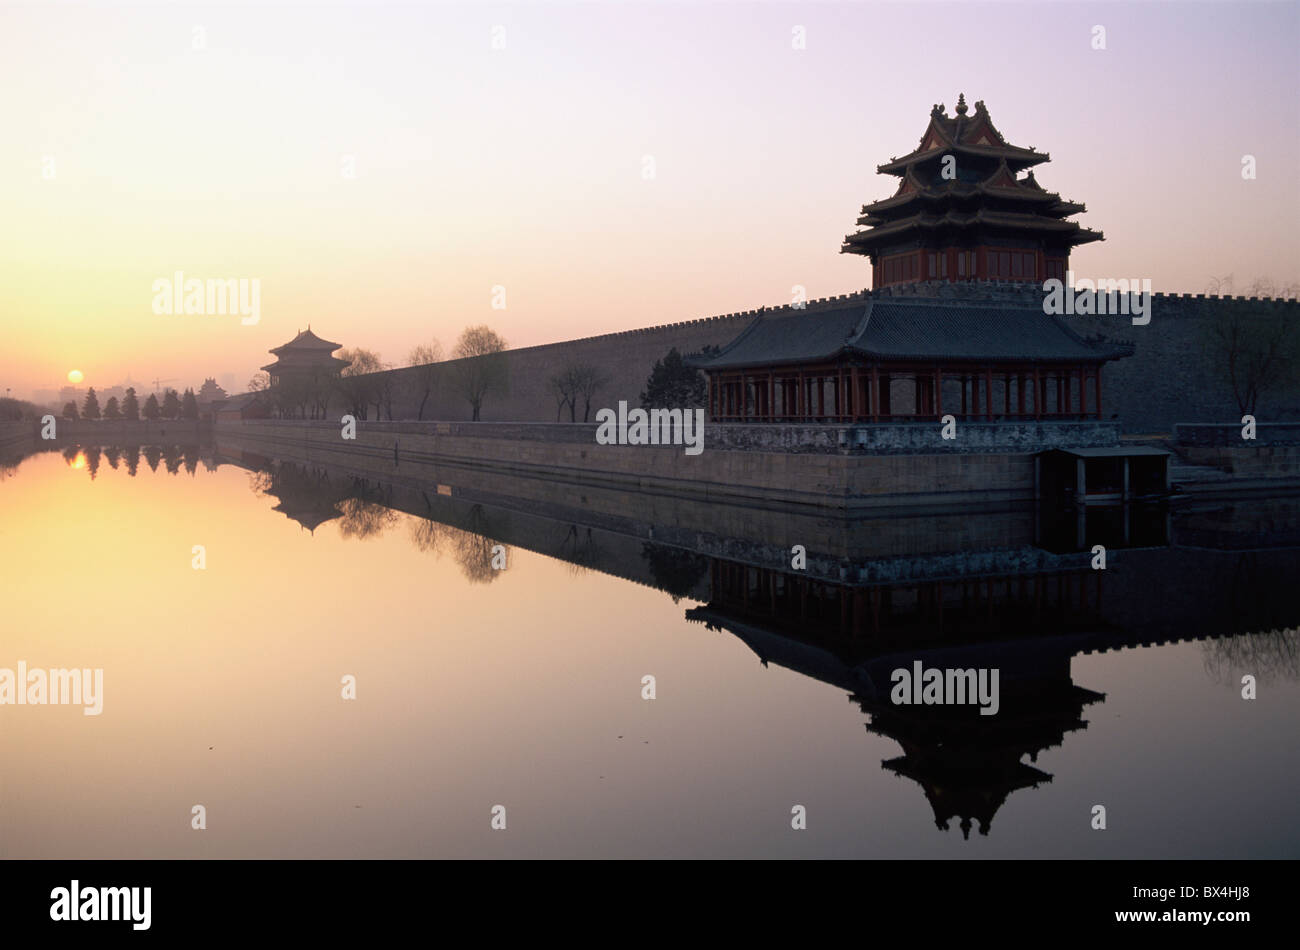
x=799, y=399
x=1020, y=392
x=1083, y=391
x=1006, y=394
x=771, y=396
x=855, y=397
x=875, y=394
x=988, y=394
x=938, y=391
x=1099, y=391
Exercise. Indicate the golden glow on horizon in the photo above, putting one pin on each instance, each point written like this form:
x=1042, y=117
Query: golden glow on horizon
x=327, y=172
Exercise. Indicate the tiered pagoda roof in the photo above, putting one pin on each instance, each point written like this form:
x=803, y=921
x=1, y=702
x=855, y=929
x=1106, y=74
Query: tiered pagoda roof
x=306, y=352
x=963, y=188
x=210, y=392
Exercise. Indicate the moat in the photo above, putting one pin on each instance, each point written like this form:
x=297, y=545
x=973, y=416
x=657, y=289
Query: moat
x=477, y=686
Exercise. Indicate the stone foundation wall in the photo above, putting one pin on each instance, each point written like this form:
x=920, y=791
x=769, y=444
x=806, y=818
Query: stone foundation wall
x=568, y=455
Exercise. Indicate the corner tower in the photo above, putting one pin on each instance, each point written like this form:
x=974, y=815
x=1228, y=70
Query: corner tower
x=964, y=211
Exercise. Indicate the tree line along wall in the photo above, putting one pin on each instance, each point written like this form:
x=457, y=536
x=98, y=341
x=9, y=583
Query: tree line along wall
x=1172, y=376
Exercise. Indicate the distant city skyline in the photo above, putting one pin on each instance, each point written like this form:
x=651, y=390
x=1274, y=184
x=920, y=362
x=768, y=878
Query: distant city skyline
x=382, y=176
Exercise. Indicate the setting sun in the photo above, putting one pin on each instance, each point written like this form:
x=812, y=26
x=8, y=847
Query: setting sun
x=75, y=376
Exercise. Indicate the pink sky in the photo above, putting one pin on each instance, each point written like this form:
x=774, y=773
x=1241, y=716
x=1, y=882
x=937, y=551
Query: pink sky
x=522, y=167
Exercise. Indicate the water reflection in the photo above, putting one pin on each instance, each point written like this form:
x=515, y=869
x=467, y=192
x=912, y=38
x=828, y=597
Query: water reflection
x=851, y=633
x=875, y=595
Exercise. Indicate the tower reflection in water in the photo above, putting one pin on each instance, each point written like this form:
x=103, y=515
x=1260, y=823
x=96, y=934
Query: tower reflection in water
x=849, y=619
x=1016, y=592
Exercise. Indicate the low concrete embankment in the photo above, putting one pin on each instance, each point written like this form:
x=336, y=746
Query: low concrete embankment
x=1267, y=463
x=818, y=466
x=16, y=437
x=135, y=432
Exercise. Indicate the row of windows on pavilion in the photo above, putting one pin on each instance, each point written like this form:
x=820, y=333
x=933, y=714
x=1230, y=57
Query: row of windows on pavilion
x=900, y=392
x=985, y=263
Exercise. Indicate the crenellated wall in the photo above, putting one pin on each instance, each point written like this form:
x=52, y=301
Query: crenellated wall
x=1171, y=378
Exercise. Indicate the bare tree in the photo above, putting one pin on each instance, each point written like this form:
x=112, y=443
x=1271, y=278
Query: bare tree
x=382, y=393
x=1220, y=286
x=292, y=395
x=321, y=386
x=363, y=519
x=424, y=357
x=427, y=535
x=1257, y=347
x=481, y=368
x=357, y=383
x=472, y=547
x=1270, y=655
x=587, y=381
x=562, y=388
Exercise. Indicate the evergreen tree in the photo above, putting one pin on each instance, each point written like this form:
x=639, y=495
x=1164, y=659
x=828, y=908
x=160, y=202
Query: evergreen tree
x=130, y=406
x=90, y=410
x=112, y=411
x=189, y=405
x=673, y=385
x=70, y=410
x=152, y=411
x=171, y=404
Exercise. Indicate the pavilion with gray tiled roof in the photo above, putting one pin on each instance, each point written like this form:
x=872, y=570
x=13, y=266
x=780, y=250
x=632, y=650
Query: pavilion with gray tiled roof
x=306, y=355
x=852, y=361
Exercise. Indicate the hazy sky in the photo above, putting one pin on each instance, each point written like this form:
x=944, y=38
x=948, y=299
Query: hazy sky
x=523, y=166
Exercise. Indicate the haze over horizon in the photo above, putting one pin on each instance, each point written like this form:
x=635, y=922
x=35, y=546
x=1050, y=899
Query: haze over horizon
x=522, y=167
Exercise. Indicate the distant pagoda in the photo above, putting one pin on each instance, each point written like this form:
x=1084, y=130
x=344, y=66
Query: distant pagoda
x=306, y=356
x=210, y=392
x=968, y=218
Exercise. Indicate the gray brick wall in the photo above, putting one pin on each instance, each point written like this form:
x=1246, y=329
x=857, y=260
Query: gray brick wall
x=1171, y=378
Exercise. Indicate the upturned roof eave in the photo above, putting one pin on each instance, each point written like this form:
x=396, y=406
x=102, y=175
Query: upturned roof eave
x=1038, y=196
x=1010, y=153
x=1070, y=230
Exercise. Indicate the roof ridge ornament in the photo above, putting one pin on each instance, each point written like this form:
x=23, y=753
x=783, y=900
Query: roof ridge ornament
x=961, y=103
